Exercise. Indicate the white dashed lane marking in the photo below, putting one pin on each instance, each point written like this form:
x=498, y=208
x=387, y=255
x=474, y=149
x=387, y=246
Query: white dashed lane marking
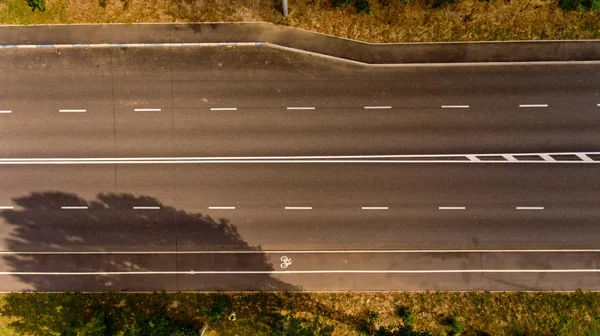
x=221, y=207
x=300, y=108
x=375, y=208
x=533, y=105
x=74, y=207
x=72, y=111
x=223, y=108
x=455, y=106
x=530, y=208
x=297, y=208
x=148, y=110
x=377, y=107
x=146, y=208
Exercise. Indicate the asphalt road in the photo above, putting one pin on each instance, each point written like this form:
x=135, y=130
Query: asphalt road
x=226, y=226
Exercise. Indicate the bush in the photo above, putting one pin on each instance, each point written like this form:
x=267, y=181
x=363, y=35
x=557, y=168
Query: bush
x=580, y=5
x=362, y=6
x=595, y=5
x=456, y=325
x=39, y=4
x=406, y=315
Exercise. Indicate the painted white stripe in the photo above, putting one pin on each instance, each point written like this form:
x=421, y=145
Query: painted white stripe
x=510, y=158
x=530, y=208
x=295, y=157
x=73, y=207
x=300, y=108
x=297, y=208
x=533, y=105
x=72, y=111
x=5, y=111
x=6, y=207
x=192, y=272
x=584, y=157
x=375, y=208
x=223, y=108
x=454, y=106
x=547, y=157
x=377, y=107
x=221, y=207
x=148, y=110
x=73, y=162
x=452, y=208
x=146, y=208
x=472, y=158
x=300, y=251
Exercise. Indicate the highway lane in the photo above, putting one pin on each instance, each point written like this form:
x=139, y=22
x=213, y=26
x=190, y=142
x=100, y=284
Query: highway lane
x=307, y=270
x=261, y=84
x=336, y=194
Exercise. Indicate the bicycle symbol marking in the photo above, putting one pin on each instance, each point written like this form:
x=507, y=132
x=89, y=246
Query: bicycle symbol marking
x=287, y=261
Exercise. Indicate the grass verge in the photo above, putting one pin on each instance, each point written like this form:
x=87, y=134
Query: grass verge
x=374, y=21
x=480, y=313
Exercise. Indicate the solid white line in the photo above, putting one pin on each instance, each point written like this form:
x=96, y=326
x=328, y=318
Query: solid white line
x=73, y=207
x=6, y=207
x=377, y=107
x=5, y=111
x=452, y=208
x=298, y=208
x=192, y=272
x=221, y=207
x=72, y=111
x=146, y=208
x=295, y=157
x=533, y=105
x=223, y=108
x=286, y=161
x=375, y=208
x=300, y=108
x=530, y=208
x=584, y=157
x=455, y=106
x=148, y=110
x=299, y=251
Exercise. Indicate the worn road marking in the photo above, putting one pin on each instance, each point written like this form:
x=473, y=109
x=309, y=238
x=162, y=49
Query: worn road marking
x=377, y=107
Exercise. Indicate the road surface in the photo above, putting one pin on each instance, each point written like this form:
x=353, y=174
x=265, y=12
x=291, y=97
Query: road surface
x=337, y=225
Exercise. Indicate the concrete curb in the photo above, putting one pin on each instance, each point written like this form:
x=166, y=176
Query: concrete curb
x=293, y=39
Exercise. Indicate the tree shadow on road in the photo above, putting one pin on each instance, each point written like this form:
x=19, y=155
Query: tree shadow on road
x=110, y=224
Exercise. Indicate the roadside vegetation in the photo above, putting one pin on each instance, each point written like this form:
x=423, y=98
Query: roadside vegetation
x=302, y=314
x=365, y=20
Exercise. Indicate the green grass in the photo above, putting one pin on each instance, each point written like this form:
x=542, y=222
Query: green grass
x=348, y=313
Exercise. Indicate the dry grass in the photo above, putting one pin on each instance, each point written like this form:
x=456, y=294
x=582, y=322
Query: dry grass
x=258, y=314
x=465, y=20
